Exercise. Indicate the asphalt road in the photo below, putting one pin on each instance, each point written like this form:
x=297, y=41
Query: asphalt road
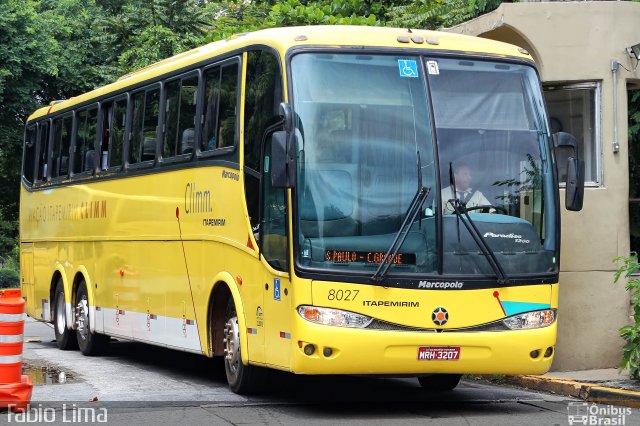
x=136, y=384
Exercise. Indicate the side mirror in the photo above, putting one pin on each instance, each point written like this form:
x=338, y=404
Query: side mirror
x=574, y=195
x=278, y=160
x=566, y=147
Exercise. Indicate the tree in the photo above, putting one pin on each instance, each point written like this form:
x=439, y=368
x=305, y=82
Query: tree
x=142, y=32
x=435, y=14
x=28, y=50
x=46, y=53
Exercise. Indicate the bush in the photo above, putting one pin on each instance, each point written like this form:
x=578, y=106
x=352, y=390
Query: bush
x=9, y=278
x=631, y=333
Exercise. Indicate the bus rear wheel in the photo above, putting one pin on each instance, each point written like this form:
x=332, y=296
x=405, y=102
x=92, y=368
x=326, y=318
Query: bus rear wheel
x=242, y=378
x=90, y=343
x=439, y=382
x=65, y=338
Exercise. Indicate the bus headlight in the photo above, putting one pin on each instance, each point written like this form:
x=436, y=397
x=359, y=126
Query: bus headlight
x=335, y=317
x=535, y=319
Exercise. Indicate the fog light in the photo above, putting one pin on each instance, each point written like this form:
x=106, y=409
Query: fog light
x=327, y=352
x=535, y=354
x=309, y=349
x=548, y=352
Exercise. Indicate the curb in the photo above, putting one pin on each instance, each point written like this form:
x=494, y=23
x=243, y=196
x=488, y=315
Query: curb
x=585, y=391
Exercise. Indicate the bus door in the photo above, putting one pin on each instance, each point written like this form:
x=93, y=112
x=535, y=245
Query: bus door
x=274, y=252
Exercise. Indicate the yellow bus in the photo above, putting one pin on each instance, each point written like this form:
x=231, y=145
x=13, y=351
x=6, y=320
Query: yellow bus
x=318, y=200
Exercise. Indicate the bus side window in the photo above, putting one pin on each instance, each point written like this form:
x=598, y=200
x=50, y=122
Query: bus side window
x=117, y=121
x=221, y=101
x=227, y=107
x=29, y=159
x=43, y=151
x=150, y=129
x=61, y=143
x=210, y=119
x=187, y=119
x=172, y=112
x=84, y=155
x=137, y=117
x=144, y=129
x=180, y=109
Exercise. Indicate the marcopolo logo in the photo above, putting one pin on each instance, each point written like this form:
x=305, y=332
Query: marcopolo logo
x=440, y=284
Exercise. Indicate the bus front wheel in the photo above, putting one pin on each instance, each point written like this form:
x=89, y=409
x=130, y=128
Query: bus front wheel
x=65, y=338
x=90, y=343
x=439, y=382
x=241, y=378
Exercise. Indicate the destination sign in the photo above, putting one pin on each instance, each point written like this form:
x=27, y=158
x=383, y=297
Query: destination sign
x=345, y=256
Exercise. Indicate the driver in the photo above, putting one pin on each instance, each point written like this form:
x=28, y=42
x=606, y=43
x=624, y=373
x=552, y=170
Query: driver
x=466, y=194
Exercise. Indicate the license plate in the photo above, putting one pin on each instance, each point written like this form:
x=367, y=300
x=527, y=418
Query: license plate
x=438, y=353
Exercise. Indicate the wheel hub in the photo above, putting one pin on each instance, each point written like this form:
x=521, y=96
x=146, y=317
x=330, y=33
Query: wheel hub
x=82, y=317
x=232, y=343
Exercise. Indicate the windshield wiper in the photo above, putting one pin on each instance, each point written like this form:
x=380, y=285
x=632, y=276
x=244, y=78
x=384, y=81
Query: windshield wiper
x=414, y=208
x=401, y=235
x=460, y=210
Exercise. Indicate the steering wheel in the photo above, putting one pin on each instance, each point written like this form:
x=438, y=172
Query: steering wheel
x=486, y=207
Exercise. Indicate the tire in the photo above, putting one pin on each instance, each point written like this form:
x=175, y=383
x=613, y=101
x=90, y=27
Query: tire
x=439, y=382
x=242, y=379
x=90, y=344
x=65, y=338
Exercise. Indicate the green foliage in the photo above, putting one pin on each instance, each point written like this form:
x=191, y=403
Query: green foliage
x=628, y=266
x=141, y=32
x=9, y=278
x=434, y=14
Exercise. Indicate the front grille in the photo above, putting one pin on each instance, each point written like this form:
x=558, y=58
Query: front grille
x=377, y=324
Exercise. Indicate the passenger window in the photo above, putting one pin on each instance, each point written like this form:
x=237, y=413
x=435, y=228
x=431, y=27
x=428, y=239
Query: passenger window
x=117, y=115
x=135, y=143
x=43, y=151
x=84, y=155
x=29, y=153
x=220, y=110
x=226, y=130
x=61, y=143
x=212, y=81
x=180, y=108
x=144, y=129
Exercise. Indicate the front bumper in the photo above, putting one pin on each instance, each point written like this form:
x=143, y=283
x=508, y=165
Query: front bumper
x=364, y=351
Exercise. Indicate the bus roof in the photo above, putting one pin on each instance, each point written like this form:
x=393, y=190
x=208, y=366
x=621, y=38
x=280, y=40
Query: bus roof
x=282, y=39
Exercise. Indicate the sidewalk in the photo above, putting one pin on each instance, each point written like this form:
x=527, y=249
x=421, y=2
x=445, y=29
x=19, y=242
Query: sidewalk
x=606, y=386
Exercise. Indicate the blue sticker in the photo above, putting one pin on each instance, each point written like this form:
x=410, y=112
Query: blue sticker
x=408, y=68
x=276, y=289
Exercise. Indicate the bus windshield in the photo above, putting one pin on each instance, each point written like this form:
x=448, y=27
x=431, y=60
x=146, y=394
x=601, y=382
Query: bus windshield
x=364, y=129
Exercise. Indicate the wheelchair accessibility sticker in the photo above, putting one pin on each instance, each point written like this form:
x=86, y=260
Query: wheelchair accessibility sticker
x=408, y=68
x=276, y=289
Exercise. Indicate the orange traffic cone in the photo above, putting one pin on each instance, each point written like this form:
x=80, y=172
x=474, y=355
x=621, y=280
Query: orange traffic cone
x=15, y=389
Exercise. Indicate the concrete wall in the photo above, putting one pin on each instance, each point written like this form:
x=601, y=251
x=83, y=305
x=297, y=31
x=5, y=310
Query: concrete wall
x=576, y=42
